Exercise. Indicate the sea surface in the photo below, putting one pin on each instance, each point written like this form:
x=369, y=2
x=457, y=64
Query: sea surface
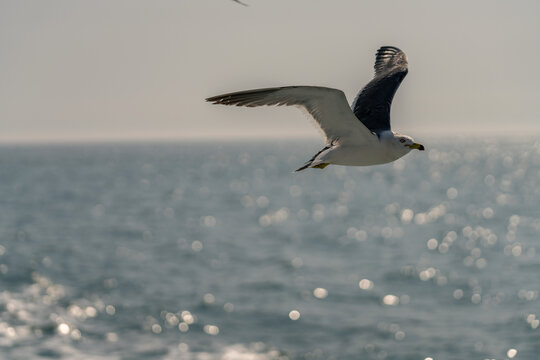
x=208, y=250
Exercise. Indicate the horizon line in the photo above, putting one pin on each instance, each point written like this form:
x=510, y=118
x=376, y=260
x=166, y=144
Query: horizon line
x=246, y=137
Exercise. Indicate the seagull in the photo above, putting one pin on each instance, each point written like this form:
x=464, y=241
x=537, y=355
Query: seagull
x=357, y=135
x=241, y=3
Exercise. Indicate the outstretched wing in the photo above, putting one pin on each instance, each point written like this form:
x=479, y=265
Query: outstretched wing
x=372, y=105
x=329, y=108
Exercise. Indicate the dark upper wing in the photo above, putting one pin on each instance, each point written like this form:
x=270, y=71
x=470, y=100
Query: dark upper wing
x=372, y=105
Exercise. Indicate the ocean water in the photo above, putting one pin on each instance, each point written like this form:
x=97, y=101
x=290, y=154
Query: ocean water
x=219, y=251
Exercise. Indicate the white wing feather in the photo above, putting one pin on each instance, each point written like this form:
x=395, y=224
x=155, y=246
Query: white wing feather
x=329, y=108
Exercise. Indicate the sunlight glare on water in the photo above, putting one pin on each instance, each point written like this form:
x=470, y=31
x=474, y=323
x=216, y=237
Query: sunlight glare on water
x=218, y=251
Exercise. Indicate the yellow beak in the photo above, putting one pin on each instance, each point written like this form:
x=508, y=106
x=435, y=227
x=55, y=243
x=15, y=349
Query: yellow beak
x=417, y=146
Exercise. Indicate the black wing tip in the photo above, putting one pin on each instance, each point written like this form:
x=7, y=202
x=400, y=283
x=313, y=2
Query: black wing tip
x=240, y=97
x=214, y=99
x=217, y=100
x=389, y=58
x=386, y=48
x=226, y=99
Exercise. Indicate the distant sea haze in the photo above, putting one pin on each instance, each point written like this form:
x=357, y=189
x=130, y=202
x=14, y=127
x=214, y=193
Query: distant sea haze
x=219, y=251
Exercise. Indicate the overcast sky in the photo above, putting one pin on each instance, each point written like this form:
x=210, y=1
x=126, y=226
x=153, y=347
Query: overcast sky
x=134, y=69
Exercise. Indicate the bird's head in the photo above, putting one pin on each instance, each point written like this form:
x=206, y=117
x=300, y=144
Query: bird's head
x=408, y=142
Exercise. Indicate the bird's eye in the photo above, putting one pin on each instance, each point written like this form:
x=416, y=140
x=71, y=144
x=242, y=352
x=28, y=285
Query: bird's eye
x=401, y=140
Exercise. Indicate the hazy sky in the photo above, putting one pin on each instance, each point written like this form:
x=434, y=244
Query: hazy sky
x=132, y=69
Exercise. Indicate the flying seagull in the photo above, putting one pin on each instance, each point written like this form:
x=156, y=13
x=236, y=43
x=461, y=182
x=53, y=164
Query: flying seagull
x=356, y=136
x=241, y=3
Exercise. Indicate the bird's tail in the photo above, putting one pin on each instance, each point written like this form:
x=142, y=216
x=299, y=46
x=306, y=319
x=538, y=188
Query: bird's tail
x=305, y=166
x=311, y=163
x=308, y=165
